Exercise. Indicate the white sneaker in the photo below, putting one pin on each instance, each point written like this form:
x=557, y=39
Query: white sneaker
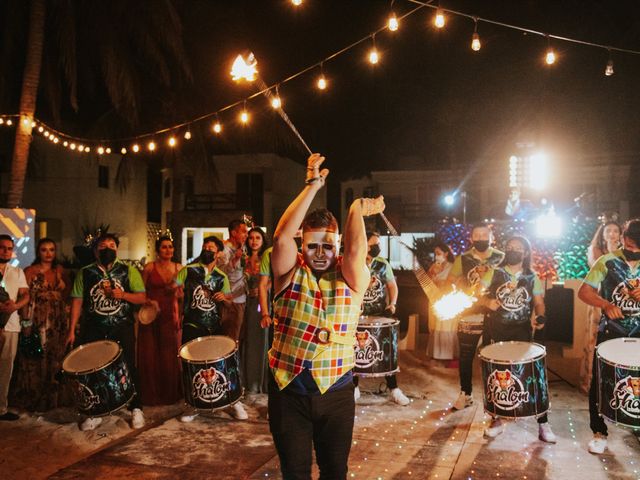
x=356, y=393
x=463, y=401
x=238, y=411
x=188, y=418
x=496, y=427
x=598, y=444
x=546, y=434
x=399, y=397
x=137, y=418
x=90, y=423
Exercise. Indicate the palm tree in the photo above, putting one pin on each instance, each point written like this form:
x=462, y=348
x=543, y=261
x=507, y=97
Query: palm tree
x=120, y=50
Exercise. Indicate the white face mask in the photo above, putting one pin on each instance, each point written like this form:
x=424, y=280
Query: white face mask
x=320, y=249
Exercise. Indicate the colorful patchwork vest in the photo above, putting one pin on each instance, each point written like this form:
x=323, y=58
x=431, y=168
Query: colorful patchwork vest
x=302, y=311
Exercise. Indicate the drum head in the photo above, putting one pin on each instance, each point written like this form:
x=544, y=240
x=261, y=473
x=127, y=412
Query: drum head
x=90, y=356
x=512, y=351
x=378, y=321
x=207, y=349
x=148, y=312
x=621, y=351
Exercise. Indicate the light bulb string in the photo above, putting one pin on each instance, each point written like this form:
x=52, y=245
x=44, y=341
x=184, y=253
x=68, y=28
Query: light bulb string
x=266, y=88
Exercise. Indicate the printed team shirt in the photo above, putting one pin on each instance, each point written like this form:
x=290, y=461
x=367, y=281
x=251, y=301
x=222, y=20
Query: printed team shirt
x=612, y=276
x=97, y=308
x=375, y=297
x=473, y=269
x=200, y=309
x=515, y=293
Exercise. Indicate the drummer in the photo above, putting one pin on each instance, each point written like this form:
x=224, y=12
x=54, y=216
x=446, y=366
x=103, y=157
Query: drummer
x=104, y=292
x=466, y=273
x=380, y=300
x=613, y=285
x=516, y=303
x=206, y=288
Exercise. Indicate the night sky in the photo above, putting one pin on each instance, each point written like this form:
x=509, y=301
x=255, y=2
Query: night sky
x=431, y=102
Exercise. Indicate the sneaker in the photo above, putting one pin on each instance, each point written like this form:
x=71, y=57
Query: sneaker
x=188, y=418
x=496, y=427
x=598, y=443
x=399, y=397
x=546, y=434
x=90, y=423
x=238, y=412
x=137, y=418
x=356, y=393
x=463, y=401
x=9, y=417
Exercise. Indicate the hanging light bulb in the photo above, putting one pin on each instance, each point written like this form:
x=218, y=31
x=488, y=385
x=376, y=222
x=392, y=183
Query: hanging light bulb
x=475, y=38
x=393, y=23
x=217, y=127
x=276, y=101
x=25, y=121
x=33, y=124
x=244, y=117
x=107, y=150
x=322, y=82
x=151, y=146
x=87, y=149
x=81, y=148
x=40, y=128
x=172, y=141
x=187, y=135
x=608, y=71
x=439, y=20
x=56, y=140
x=1, y=121
x=46, y=134
x=296, y=3
x=72, y=146
x=550, y=57
x=374, y=57
x=65, y=143
x=9, y=122
x=135, y=148
x=100, y=150
x=123, y=151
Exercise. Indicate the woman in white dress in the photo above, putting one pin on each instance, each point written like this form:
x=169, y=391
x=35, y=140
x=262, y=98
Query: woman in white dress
x=443, y=340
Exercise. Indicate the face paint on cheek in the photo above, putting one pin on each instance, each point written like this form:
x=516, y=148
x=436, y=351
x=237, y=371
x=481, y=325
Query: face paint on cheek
x=320, y=249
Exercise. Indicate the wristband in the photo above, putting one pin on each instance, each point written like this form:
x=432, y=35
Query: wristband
x=541, y=319
x=26, y=323
x=309, y=181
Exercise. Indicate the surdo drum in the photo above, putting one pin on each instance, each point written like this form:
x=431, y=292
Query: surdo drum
x=515, y=379
x=376, y=348
x=619, y=381
x=99, y=378
x=210, y=372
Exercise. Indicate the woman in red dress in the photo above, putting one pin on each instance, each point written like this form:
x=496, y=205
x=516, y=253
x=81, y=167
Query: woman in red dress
x=158, y=341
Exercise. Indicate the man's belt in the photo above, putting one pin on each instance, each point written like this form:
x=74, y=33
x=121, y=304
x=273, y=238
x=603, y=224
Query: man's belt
x=325, y=335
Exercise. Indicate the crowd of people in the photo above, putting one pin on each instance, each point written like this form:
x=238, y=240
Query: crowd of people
x=293, y=310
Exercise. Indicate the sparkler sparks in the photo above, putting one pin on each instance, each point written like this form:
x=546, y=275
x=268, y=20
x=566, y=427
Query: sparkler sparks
x=452, y=304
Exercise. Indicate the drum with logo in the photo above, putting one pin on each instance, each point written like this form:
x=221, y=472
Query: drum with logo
x=376, y=347
x=515, y=379
x=619, y=381
x=99, y=378
x=211, y=372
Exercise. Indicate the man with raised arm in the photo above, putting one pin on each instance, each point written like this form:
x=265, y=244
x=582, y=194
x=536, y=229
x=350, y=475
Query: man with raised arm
x=316, y=308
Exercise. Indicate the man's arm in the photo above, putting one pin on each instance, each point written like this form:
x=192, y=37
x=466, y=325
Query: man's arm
x=392, y=290
x=76, y=308
x=283, y=257
x=589, y=295
x=354, y=261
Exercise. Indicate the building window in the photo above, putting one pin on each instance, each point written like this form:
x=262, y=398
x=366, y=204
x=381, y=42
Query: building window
x=103, y=176
x=167, y=188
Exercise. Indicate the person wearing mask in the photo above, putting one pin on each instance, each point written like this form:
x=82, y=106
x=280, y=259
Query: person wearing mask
x=516, y=309
x=103, y=294
x=466, y=273
x=612, y=285
x=206, y=290
x=380, y=300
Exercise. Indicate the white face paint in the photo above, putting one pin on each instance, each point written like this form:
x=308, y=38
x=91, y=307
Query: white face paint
x=320, y=249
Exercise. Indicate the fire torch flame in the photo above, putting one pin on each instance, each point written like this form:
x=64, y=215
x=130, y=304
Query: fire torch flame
x=244, y=69
x=452, y=304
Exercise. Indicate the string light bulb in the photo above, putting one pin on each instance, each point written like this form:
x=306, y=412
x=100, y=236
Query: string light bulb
x=276, y=101
x=81, y=148
x=187, y=135
x=123, y=151
x=72, y=146
x=65, y=143
x=439, y=20
x=475, y=38
x=87, y=149
x=550, y=57
x=393, y=22
x=9, y=122
x=608, y=70
x=374, y=57
x=217, y=127
x=296, y=3
x=135, y=148
x=244, y=117
x=100, y=150
x=322, y=82
x=107, y=150
x=1, y=121
x=151, y=146
x=172, y=141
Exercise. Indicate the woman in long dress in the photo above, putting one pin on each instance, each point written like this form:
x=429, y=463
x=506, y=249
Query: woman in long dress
x=254, y=351
x=46, y=314
x=158, y=341
x=605, y=240
x=443, y=341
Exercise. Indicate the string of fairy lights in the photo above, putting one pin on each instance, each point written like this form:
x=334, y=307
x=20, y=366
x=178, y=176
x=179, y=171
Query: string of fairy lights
x=171, y=136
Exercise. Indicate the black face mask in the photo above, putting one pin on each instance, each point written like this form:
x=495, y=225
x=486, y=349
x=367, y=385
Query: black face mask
x=631, y=256
x=513, y=258
x=207, y=256
x=106, y=256
x=374, y=251
x=5, y=260
x=481, y=245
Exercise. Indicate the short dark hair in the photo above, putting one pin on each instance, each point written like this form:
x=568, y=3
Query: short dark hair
x=320, y=218
x=528, y=252
x=233, y=224
x=106, y=236
x=479, y=225
x=215, y=240
x=163, y=238
x=632, y=230
x=372, y=233
x=4, y=236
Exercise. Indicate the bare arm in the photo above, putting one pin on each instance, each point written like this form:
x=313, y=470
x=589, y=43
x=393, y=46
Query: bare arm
x=538, y=309
x=263, y=298
x=589, y=295
x=283, y=257
x=354, y=265
x=392, y=290
x=76, y=308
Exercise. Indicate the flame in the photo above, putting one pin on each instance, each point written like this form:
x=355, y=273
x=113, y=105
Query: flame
x=452, y=304
x=244, y=69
